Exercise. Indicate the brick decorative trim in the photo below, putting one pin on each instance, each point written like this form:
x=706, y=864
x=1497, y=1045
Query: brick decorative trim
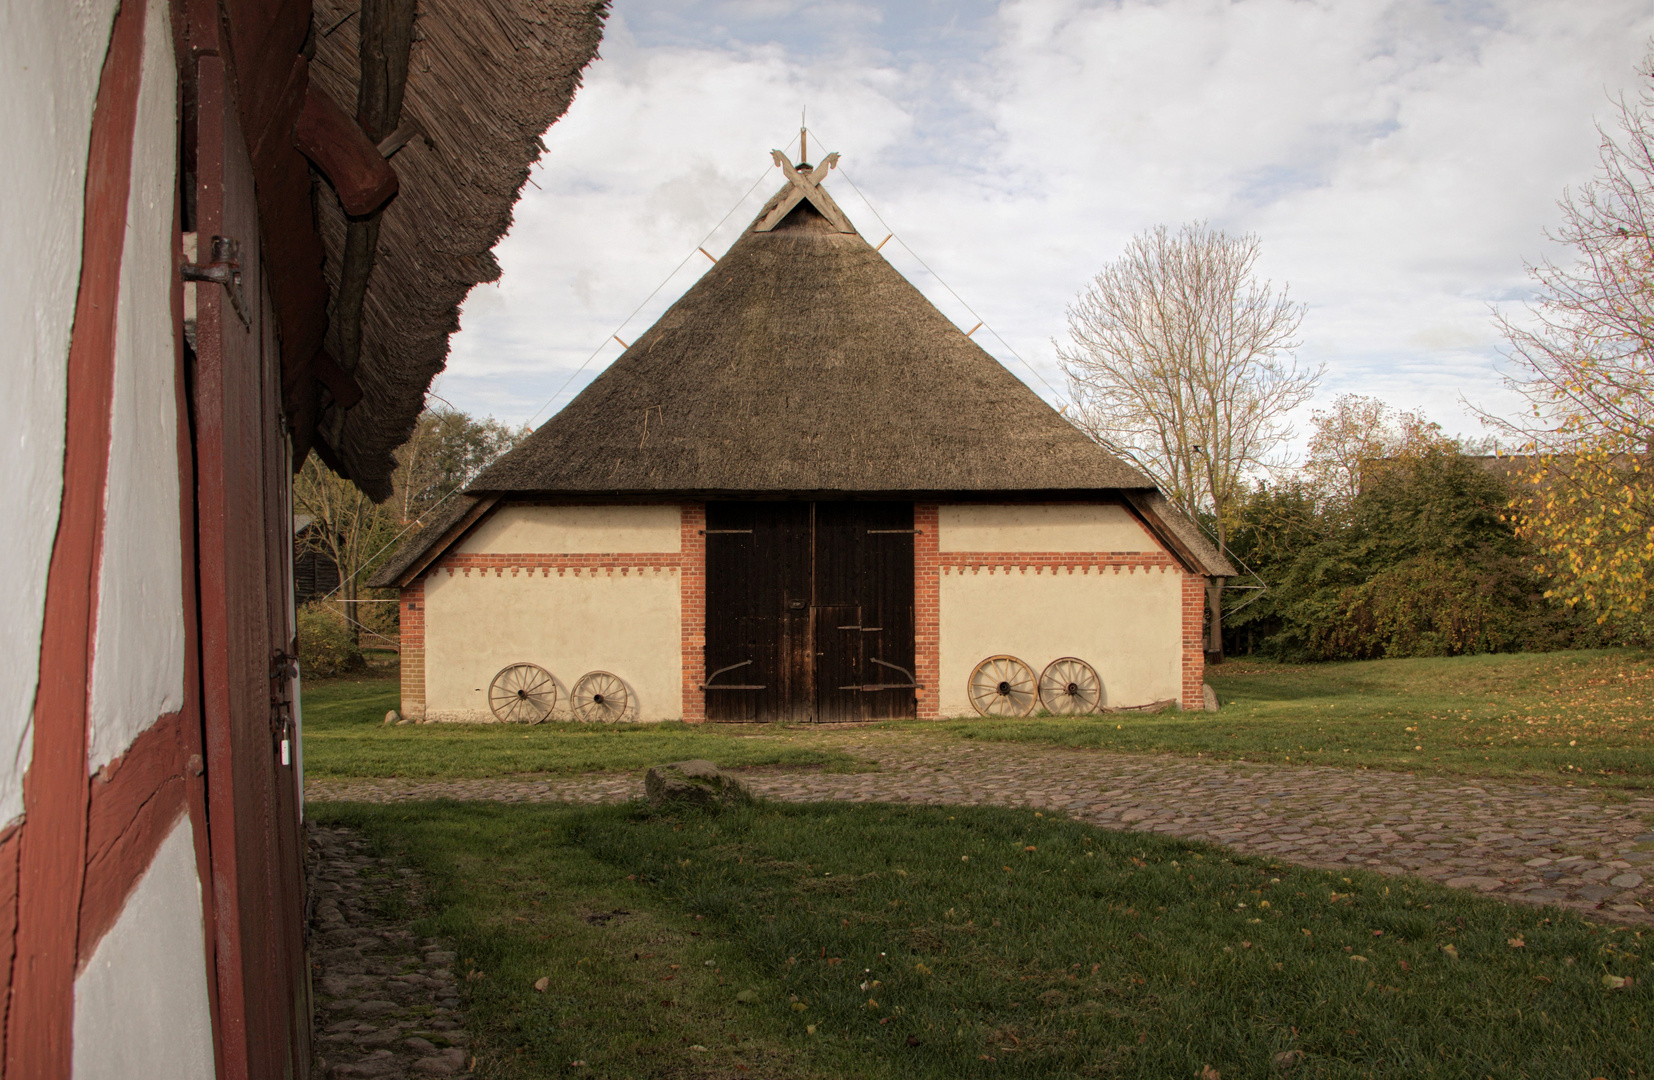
x=692, y=590
x=1054, y=562
x=1194, y=641
x=594, y=564
x=927, y=610
x=412, y=633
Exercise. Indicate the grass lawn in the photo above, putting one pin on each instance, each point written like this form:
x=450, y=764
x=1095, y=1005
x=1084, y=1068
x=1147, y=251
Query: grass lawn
x=875, y=941
x=344, y=735
x=1586, y=717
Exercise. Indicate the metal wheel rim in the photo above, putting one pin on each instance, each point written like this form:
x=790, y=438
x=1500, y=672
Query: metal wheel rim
x=1003, y=686
x=522, y=694
x=600, y=697
x=1070, y=687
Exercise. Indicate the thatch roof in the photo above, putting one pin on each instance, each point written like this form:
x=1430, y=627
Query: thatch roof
x=804, y=362
x=485, y=79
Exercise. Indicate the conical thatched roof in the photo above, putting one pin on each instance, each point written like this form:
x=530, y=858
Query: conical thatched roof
x=803, y=362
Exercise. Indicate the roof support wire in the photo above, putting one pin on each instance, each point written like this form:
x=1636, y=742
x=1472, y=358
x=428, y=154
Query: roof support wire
x=700, y=248
x=981, y=322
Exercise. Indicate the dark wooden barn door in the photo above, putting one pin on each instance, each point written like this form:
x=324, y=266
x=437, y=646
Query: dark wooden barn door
x=809, y=611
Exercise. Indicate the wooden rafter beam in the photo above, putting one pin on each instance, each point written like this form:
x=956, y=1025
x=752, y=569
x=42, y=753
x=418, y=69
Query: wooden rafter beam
x=386, y=43
x=343, y=153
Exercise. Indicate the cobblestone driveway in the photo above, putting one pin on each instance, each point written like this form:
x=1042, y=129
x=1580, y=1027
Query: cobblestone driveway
x=1530, y=842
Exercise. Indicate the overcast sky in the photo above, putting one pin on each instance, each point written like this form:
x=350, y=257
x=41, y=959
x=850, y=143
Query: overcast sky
x=1399, y=162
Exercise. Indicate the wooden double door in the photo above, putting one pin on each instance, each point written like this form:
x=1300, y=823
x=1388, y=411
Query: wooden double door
x=809, y=611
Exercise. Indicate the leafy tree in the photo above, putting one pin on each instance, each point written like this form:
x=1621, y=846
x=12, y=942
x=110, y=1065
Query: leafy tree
x=446, y=451
x=1180, y=359
x=1273, y=525
x=348, y=529
x=1358, y=433
x=1422, y=563
x=1585, y=357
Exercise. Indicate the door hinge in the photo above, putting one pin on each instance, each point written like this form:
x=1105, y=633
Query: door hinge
x=225, y=270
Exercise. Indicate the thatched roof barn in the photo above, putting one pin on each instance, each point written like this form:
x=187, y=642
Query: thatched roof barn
x=804, y=370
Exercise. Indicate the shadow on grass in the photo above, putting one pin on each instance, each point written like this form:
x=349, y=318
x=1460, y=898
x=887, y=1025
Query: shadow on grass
x=885, y=941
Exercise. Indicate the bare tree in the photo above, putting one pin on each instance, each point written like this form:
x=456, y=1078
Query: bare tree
x=1586, y=347
x=1584, y=354
x=1180, y=359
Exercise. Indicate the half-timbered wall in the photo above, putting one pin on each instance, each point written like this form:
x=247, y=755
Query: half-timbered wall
x=51, y=56
x=132, y=944
x=141, y=1001
x=138, y=654
x=1040, y=582
x=570, y=588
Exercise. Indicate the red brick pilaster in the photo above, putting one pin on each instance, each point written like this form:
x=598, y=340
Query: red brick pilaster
x=412, y=634
x=692, y=589
x=1194, y=641
x=927, y=615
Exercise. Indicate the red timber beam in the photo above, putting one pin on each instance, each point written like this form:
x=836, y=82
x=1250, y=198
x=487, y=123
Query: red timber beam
x=52, y=842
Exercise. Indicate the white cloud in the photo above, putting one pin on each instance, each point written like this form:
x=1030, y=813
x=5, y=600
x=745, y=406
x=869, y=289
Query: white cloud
x=1399, y=160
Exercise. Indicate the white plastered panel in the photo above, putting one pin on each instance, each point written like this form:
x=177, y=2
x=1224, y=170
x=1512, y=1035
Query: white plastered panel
x=1036, y=527
x=138, y=665
x=576, y=530
x=141, y=1006
x=626, y=624
x=1127, y=625
x=51, y=53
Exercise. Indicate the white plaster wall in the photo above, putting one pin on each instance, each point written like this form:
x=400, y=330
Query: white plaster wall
x=138, y=663
x=141, y=1006
x=576, y=530
x=51, y=52
x=1126, y=625
x=1032, y=527
x=628, y=625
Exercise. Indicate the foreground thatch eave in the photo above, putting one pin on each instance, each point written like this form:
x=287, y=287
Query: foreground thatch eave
x=485, y=79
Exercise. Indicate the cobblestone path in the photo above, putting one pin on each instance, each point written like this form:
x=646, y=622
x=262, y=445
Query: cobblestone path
x=386, y=1006
x=1537, y=843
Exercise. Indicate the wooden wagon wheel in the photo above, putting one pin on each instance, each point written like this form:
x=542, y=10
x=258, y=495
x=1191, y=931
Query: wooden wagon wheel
x=522, y=694
x=599, y=696
x=1070, y=687
x=1003, y=686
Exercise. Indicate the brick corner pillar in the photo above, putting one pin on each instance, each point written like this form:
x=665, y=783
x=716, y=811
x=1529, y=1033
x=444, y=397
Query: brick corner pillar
x=927, y=613
x=412, y=634
x=1194, y=642
x=692, y=591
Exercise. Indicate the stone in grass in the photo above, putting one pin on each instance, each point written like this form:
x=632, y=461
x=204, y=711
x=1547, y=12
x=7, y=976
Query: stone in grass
x=1208, y=697
x=699, y=783
x=392, y=717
